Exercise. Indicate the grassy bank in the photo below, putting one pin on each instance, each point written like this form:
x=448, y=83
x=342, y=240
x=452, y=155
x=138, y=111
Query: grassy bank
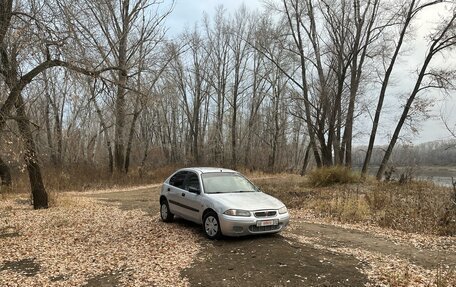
x=419, y=207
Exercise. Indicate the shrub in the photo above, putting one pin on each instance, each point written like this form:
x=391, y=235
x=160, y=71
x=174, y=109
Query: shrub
x=332, y=175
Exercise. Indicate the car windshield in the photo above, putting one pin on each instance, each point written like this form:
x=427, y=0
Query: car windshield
x=223, y=182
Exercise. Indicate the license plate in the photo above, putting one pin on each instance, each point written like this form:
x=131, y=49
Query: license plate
x=267, y=222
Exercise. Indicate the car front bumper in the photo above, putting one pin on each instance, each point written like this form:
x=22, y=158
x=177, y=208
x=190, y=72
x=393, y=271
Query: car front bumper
x=240, y=226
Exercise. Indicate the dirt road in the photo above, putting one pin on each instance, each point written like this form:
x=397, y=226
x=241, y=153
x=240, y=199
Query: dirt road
x=306, y=254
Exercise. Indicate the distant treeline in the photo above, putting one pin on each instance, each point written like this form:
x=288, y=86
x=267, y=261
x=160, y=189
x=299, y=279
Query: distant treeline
x=430, y=153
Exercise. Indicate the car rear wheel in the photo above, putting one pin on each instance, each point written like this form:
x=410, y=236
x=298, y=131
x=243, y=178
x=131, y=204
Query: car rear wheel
x=211, y=225
x=165, y=213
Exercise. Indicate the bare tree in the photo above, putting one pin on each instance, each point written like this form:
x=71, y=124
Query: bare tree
x=240, y=52
x=5, y=19
x=218, y=41
x=364, y=24
x=323, y=61
x=451, y=128
x=14, y=58
x=129, y=31
x=407, y=11
x=260, y=87
x=444, y=38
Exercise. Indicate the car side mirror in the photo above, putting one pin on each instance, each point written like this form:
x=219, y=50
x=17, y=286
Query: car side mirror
x=193, y=189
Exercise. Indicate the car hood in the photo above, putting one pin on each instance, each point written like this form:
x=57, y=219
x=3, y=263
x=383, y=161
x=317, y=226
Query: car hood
x=245, y=201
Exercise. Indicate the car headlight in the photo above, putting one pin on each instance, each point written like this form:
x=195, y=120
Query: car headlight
x=237, y=212
x=283, y=210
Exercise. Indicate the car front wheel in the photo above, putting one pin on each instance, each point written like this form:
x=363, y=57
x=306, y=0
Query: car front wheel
x=211, y=225
x=165, y=213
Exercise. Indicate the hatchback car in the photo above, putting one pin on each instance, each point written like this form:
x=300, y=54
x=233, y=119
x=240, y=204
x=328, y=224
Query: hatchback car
x=223, y=201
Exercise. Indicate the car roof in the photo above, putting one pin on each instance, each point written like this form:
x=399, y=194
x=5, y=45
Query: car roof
x=202, y=170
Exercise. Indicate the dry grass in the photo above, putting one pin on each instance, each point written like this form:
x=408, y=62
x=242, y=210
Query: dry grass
x=85, y=178
x=415, y=207
x=446, y=276
x=419, y=207
x=81, y=178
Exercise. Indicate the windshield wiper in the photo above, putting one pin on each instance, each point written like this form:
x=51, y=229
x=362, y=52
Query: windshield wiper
x=246, y=191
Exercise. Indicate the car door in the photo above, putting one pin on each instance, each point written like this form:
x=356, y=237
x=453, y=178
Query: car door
x=174, y=190
x=191, y=197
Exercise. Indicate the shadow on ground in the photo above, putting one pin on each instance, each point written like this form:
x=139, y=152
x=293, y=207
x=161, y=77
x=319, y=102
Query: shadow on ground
x=27, y=267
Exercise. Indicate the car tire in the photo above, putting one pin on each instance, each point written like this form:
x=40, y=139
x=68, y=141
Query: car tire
x=165, y=213
x=211, y=225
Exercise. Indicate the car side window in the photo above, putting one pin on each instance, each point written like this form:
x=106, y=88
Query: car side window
x=177, y=180
x=192, y=183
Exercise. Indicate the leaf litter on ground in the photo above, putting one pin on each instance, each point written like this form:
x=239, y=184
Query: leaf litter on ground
x=82, y=238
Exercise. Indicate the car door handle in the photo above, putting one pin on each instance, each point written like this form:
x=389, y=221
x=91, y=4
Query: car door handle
x=183, y=194
x=169, y=189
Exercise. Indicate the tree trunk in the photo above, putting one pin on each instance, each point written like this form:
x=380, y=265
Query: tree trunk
x=357, y=69
x=275, y=136
x=381, y=97
x=348, y=132
x=305, y=89
x=326, y=150
x=6, y=7
x=399, y=125
x=130, y=140
x=233, y=133
x=119, y=133
x=306, y=160
x=119, y=154
x=109, y=149
x=39, y=194
x=196, y=125
x=104, y=128
x=219, y=147
x=5, y=174
x=144, y=158
x=59, y=134
x=49, y=134
x=256, y=100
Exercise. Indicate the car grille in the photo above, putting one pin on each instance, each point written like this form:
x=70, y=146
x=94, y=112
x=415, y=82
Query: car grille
x=265, y=213
x=254, y=228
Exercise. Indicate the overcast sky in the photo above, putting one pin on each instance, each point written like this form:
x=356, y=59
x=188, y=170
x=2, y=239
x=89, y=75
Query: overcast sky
x=187, y=12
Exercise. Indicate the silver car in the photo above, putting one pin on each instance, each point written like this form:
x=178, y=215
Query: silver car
x=223, y=201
